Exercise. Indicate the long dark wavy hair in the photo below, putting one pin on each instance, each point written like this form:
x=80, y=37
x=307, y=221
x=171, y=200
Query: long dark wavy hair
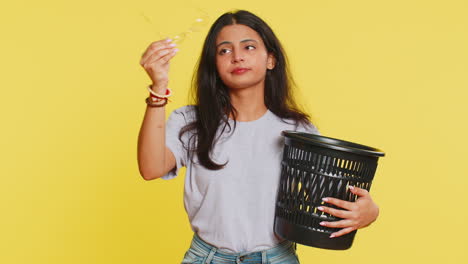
x=211, y=98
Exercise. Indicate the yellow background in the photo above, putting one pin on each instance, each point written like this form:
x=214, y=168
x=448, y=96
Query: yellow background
x=389, y=74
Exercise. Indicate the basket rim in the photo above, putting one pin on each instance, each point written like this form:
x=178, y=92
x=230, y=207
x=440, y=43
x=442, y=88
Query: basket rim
x=333, y=143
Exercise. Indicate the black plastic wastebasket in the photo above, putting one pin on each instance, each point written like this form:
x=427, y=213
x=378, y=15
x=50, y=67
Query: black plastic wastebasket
x=314, y=167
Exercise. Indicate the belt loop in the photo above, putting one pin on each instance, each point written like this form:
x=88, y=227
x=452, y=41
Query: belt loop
x=210, y=256
x=264, y=257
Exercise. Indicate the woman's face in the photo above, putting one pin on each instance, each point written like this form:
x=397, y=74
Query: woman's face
x=241, y=57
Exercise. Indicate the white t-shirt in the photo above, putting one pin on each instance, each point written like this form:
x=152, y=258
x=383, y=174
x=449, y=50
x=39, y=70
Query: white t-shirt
x=233, y=208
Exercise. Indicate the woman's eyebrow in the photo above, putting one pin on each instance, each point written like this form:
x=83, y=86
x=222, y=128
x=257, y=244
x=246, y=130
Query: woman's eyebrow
x=228, y=42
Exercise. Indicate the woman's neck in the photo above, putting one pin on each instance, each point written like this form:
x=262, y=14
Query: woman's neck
x=249, y=103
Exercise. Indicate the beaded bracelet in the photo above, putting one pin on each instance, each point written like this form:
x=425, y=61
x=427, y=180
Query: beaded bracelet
x=152, y=103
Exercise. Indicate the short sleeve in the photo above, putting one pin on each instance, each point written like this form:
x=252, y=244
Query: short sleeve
x=309, y=128
x=176, y=121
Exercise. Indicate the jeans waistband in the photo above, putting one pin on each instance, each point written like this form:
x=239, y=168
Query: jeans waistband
x=201, y=246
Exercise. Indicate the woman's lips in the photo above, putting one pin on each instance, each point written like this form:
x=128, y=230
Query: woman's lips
x=240, y=70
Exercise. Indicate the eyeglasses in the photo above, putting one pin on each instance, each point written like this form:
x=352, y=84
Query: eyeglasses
x=197, y=25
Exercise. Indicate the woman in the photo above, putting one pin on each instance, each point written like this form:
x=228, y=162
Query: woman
x=230, y=142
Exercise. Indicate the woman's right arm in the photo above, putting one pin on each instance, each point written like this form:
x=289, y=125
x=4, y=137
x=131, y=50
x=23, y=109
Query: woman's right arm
x=154, y=158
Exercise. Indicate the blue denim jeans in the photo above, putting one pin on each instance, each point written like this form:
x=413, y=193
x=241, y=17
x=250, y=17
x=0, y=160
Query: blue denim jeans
x=201, y=252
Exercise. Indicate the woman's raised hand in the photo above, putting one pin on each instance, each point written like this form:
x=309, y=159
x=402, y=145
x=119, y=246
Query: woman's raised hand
x=155, y=61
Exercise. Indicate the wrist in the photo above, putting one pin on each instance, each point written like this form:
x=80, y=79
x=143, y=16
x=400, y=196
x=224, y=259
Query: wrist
x=160, y=89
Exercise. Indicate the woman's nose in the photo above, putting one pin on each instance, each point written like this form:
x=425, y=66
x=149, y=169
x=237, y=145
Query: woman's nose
x=237, y=57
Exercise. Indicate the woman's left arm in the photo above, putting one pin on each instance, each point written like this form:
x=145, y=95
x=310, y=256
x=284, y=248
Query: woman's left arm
x=358, y=214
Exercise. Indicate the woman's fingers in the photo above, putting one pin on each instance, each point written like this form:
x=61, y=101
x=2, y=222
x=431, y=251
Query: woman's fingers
x=343, y=231
x=162, y=56
x=336, y=212
x=340, y=203
x=150, y=49
x=156, y=54
x=338, y=224
x=154, y=48
x=358, y=191
x=169, y=56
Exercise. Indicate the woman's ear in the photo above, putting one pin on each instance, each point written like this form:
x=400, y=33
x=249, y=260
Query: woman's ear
x=271, y=61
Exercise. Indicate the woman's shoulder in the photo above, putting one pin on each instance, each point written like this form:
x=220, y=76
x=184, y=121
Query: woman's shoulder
x=186, y=112
x=296, y=125
x=307, y=127
x=185, y=109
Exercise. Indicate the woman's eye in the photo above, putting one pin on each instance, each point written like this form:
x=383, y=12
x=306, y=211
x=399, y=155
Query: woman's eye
x=223, y=51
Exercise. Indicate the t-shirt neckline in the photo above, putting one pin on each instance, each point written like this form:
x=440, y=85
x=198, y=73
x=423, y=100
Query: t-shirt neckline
x=264, y=116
